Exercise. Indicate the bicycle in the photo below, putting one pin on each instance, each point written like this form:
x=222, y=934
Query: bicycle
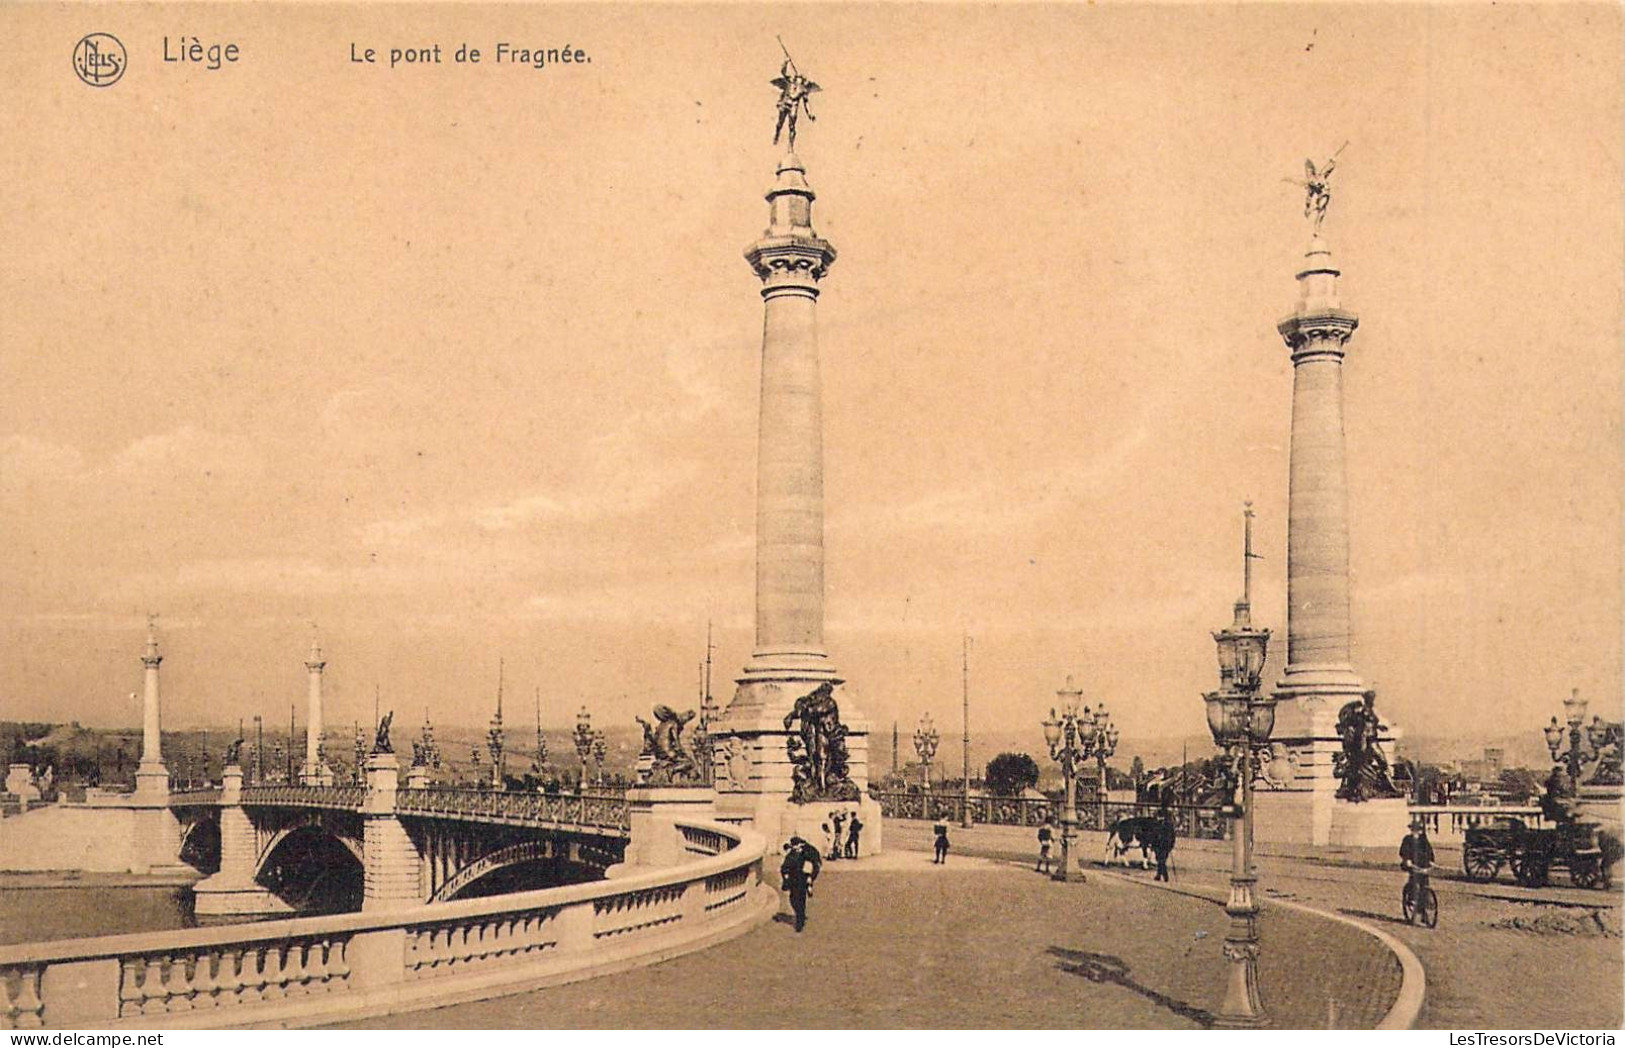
x=1419, y=901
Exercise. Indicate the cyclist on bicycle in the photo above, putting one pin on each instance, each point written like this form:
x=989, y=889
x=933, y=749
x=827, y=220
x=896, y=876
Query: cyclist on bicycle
x=1416, y=857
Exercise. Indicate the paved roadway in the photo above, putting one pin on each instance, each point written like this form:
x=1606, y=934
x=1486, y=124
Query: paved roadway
x=1503, y=957
x=898, y=942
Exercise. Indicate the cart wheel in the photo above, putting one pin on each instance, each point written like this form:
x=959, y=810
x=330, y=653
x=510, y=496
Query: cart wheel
x=1587, y=871
x=1480, y=864
x=1531, y=869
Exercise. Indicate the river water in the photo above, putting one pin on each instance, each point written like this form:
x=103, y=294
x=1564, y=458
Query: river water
x=32, y=914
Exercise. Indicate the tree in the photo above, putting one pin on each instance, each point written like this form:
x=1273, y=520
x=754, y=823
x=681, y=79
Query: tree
x=1010, y=773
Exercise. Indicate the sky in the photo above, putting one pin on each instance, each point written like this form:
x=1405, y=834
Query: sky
x=447, y=364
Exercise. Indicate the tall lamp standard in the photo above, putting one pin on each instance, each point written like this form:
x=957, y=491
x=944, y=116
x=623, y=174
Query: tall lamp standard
x=1072, y=736
x=1584, y=744
x=1242, y=720
x=1105, y=745
x=584, y=739
x=925, y=744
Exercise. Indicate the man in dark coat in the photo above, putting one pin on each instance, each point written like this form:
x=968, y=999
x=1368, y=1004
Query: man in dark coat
x=852, y=831
x=798, y=871
x=1162, y=844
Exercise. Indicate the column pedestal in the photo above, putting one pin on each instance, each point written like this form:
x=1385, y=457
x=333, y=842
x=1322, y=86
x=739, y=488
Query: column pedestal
x=392, y=868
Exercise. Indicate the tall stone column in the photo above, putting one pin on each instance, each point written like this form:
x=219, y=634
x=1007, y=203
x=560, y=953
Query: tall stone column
x=315, y=771
x=790, y=260
x=1320, y=677
x=151, y=776
x=755, y=773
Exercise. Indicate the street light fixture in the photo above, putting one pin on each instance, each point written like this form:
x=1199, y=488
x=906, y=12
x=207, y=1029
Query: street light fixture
x=583, y=739
x=1074, y=736
x=1585, y=742
x=1241, y=721
x=925, y=744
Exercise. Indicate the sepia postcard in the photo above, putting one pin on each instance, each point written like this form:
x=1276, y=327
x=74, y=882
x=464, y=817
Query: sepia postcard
x=860, y=516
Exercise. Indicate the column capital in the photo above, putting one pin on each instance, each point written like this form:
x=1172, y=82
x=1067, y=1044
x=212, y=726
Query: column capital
x=1321, y=333
x=791, y=261
x=151, y=660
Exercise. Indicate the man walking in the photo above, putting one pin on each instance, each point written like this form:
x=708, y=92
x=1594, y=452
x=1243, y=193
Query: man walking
x=941, y=844
x=798, y=871
x=852, y=836
x=1045, y=836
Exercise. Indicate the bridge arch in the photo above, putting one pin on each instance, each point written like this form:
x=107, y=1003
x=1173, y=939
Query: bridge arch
x=313, y=869
x=200, y=844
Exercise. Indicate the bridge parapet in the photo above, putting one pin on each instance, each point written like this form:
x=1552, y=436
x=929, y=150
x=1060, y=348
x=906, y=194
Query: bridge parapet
x=331, y=798
x=600, y=810
x=325, y=969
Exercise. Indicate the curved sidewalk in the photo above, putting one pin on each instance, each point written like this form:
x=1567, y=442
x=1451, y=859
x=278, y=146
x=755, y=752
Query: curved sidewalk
x=897, y=942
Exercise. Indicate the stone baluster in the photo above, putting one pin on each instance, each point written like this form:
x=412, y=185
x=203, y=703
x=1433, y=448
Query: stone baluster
x=28, y=1009
x=129, y=986
x=272, y=988
x=228, y=979
x=338, y=963
x=178, y=986
x=316, y=966
x=204, y=986
x=153, y=997
x=252, y=974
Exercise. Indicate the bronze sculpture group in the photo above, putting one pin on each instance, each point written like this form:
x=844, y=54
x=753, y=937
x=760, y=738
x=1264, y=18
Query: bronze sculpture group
x=1361, y=765
x=818, y=750
x=663, y=740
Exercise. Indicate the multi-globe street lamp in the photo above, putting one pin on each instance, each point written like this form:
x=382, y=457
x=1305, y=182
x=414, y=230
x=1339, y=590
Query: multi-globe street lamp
x=926, y=740
x=1074, y=736
x=1580, y=743
x=600, y=752
x=1242, y=720
x=584, y=738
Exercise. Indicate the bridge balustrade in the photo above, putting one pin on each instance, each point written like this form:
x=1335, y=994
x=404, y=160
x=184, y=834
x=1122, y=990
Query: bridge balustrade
x=336, y=798
x=1189, y=820
x=326, y=969
x=588, y=810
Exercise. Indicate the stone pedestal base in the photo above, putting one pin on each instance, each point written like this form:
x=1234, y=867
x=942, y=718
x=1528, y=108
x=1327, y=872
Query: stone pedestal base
x=652, y=812
x=1319, y=818
x=755, y=778
x=1305, y=808
x=151, y=785
x=20, y=783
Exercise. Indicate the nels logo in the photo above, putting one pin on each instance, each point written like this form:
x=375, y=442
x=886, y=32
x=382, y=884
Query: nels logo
x=99, y=59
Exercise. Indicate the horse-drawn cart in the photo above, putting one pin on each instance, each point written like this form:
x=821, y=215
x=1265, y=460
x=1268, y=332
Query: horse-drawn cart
x=1532, y=853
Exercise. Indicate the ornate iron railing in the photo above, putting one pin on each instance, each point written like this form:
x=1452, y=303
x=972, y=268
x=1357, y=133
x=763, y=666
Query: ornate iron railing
x=337, y=798
x=599, y=810
x=1189, y=820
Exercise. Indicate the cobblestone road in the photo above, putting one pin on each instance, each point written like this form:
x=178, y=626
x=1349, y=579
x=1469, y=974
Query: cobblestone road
x=897, y=942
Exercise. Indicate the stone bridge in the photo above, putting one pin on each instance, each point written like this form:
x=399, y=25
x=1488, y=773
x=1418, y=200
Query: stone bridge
x=689, y=881
x=273, y=849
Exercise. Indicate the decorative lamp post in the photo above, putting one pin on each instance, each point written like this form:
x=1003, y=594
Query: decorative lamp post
x=600, y=751
x=1105, y=745
x=1575, y=743
x=925, y=744
x=1242, y=720
x=583, y=739
x=1073, y=736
